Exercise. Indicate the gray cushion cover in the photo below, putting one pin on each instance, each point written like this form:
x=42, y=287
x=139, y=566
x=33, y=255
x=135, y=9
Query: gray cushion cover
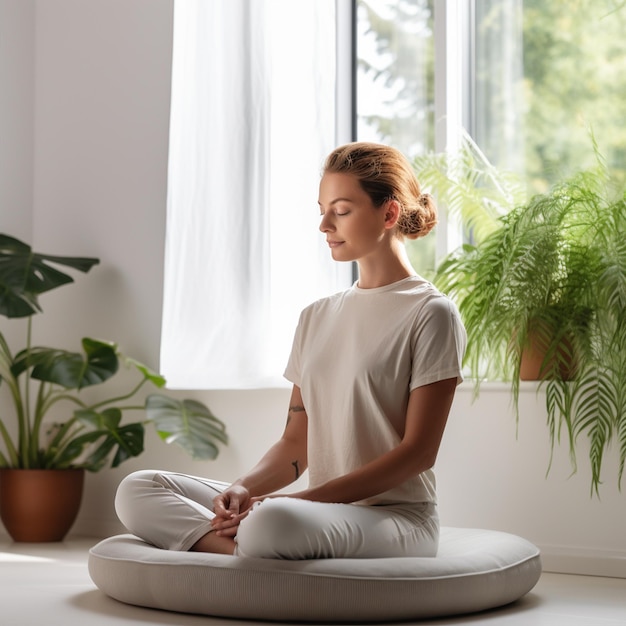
x=474, y=570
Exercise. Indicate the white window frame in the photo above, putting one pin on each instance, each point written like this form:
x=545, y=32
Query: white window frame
x=453, y=73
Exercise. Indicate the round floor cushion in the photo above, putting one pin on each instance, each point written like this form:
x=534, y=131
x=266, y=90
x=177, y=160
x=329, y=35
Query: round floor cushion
x=474, y=570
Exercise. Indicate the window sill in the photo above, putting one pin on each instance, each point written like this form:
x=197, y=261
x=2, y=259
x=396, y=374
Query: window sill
x=498, y=386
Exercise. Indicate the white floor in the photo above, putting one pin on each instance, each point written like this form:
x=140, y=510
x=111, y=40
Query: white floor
x=49, y=584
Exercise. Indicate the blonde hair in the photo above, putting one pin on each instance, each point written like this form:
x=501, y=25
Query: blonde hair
x=384, y=173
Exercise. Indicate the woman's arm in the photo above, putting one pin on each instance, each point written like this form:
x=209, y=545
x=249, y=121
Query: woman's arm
x=281, y=465
x=286, y=460
x=427, y=413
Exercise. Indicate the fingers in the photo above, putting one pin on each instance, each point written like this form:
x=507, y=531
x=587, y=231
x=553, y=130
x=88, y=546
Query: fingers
x=232, y=501
x=227, y=527
x=234, y=504
x=221, y=505
x=230, y=507
x=230, y=530
x=226, y=522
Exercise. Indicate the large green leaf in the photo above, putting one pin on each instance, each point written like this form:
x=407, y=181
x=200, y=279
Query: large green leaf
x=188, y=423
x=127, y=441
x=71, y=370
x=25, y=274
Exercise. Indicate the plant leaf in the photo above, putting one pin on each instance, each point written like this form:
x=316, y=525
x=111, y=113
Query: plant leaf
x=71, y=370
x=149, y=374
x=126, y=441
x=188, y=423
x=469, y=186
x=594, y=416
x=25, y=274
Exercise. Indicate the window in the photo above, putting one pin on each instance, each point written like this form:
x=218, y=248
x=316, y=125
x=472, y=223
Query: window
x=559, y=78
x=530, y=80
x=263, y=90
x=409, y=89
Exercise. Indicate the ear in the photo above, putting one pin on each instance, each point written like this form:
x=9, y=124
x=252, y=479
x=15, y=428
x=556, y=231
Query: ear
x=392, y=213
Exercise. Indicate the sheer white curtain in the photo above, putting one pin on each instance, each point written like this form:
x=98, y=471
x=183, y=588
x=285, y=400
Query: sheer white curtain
x=252, y=117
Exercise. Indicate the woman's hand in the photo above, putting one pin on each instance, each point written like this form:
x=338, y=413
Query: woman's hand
x=230, y=507
x=228, y=526
x=232, y=501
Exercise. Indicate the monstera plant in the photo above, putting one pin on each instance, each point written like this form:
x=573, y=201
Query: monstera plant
x=60, y=376
x=47, y=421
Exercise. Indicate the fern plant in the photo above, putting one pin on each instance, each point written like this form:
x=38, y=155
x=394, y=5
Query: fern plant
x=553, y=271
x=469, y=187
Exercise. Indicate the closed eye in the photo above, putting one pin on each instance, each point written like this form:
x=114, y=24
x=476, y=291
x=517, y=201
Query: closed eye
x=338, y=213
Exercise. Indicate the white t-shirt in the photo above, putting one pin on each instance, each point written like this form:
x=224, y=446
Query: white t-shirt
x=356, y=356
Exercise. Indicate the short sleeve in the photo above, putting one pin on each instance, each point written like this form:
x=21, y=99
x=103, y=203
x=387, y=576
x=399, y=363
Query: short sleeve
x=439, y=341
x=293, y=371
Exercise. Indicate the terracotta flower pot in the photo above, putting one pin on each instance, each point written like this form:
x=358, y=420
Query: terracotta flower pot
x=534, y=354
x=40, y=505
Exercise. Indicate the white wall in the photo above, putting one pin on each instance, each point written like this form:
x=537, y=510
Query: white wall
x=17, y=98
x=95, y=184
x=17, y=58
x=492, y=476
x=102, y=76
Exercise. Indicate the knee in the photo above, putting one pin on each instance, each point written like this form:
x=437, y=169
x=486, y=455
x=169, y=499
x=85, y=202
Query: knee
x=274, y=529
x=129, y=496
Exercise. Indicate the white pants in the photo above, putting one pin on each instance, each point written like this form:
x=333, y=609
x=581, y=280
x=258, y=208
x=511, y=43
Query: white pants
x=173, y=511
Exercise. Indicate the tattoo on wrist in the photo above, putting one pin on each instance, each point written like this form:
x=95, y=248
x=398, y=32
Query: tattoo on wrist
x=297, y=468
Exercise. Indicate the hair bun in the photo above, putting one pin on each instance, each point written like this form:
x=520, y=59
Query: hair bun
x=426, y=200
x=421, y=219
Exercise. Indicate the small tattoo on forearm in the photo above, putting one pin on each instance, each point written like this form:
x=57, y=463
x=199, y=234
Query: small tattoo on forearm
x=296, y=408
x=297, y=468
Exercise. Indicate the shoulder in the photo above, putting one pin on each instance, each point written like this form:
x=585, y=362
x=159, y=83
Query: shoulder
x=433, y=308
x=440, y=305
x=428, y=300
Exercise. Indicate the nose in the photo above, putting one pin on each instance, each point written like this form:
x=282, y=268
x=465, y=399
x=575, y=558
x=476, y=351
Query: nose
x=326, y=224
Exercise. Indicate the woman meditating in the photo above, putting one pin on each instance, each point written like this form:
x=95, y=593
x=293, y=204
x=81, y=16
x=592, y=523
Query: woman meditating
x=374, y=371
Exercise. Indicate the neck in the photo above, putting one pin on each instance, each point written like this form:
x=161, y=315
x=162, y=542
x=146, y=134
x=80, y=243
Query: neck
x=388, y=266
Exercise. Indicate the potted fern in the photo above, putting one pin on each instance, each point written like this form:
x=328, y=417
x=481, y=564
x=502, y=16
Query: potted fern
x=40, y=383
x=551, y=278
